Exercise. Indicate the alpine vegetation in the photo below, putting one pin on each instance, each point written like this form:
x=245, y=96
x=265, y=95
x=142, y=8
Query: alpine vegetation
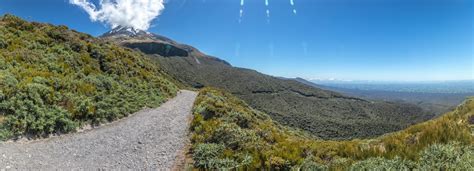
x=53, y=80
x=229, y=134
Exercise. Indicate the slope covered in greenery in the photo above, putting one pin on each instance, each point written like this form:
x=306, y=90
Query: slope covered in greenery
x=228, y=133
x=52, y=79
x=326, y=114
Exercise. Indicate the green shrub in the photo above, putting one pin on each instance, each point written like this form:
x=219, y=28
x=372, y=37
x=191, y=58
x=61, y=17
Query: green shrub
x=28, y=112
x=447, y=157
x=379, y=163
x=3, y=64
x=206, y=155
x=3, y=43
x=232, y=136
x=310, y=164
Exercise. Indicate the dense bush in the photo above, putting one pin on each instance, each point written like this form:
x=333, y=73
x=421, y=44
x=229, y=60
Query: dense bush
x=226, y=131
x=380, y=163
x=452, y=156
x=310, y=164
x=209, y=156
x=53, y=80
x=447, y=157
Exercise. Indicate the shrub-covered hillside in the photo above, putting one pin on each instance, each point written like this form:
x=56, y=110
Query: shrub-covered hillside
x=227, y=133
x=325, y=114
x=52, y=80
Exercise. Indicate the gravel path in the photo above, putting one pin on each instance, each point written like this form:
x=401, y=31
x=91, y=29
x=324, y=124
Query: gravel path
x=148, y=140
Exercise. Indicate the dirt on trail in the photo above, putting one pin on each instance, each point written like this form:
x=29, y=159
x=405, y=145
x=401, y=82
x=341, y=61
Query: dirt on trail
x=151, y=139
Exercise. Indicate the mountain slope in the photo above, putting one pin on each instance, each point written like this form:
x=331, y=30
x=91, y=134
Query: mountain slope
x=53, y=80
x=229, y=134
x=324, y=113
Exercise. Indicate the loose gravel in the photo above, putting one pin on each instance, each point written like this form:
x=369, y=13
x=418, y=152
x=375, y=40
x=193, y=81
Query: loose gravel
x=148, y=140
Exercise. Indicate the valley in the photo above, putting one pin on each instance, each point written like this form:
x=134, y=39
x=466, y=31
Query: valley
x=435, y=97
x=227, y=133
x=324, y=113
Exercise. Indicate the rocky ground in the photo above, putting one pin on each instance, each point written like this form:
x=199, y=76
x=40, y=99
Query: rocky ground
x=150, y=139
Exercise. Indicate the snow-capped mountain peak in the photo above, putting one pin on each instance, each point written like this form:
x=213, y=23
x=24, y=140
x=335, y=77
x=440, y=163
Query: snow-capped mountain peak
x=128, y=31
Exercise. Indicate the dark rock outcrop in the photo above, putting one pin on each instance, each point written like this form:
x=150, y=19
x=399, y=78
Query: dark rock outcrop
x=162, y=49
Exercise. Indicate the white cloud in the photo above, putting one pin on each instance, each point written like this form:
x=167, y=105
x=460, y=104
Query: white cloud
x=131, y=13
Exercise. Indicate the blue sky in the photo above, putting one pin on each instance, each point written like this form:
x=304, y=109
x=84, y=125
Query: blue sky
x=405, y=40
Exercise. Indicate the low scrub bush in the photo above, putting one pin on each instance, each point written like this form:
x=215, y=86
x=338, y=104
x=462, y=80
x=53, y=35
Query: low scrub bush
x=447, y=157
x=53, y=80
x=380, y=163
